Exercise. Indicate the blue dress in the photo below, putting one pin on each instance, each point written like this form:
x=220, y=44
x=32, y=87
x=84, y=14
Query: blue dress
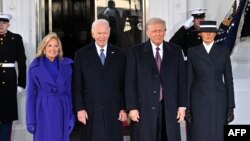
x=49, y=102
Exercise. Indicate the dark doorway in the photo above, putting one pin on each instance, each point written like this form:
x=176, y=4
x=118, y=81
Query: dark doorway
x=71, y=20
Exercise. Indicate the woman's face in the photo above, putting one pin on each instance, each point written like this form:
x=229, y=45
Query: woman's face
x=51, y=50
x=208, y=37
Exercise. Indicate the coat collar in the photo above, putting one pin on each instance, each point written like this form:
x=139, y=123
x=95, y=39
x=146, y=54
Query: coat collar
x=95, y=57
x=147, y=49
x=212, y=55
x=42, y=73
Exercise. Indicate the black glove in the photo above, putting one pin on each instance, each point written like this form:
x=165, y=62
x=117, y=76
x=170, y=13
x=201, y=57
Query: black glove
x=188, y=116
x=230, y=115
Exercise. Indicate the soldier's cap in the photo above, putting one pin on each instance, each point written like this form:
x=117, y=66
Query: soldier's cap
x=198, y=12
x=208, y=26
x=5, y=17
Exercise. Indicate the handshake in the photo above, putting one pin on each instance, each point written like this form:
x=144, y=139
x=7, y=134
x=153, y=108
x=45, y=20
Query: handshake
x=230, y=115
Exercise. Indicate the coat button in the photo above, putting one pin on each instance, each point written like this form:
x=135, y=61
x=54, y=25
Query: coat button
x=153, y=108
x=3, y=71
x=154, y=92
x=3, y=82
x=156, y=75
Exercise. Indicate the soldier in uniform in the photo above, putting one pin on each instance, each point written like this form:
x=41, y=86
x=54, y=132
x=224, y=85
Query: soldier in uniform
x=11, y=53
x=185, y=37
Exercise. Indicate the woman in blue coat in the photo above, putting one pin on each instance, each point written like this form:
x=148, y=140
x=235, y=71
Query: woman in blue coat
x=49, y=114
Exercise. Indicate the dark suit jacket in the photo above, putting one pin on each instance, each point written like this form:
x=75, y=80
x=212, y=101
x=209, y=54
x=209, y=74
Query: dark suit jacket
x=142, y=86
x=210, y=89
x=11, y=51
x=98, y=89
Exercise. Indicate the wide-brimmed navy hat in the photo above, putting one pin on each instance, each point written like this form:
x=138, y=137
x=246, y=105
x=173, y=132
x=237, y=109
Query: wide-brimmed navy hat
x=208, y=26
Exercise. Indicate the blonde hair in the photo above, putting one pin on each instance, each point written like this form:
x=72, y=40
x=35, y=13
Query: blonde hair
x=156, y=21
x=44, y=43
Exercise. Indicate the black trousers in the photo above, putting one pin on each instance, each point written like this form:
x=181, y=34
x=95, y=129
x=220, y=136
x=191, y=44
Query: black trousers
x=161, y=124
x=5, y=131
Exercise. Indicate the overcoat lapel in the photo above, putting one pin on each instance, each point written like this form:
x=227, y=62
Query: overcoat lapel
x=93, y=55
x=43, y=73
x=109, y=55
x=149, y=57
x=201, y=51
x=215, y=52
x=166, y=55
x=63, y=73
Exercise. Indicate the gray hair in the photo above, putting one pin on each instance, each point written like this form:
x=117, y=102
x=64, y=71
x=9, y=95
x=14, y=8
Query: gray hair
x=155, y=21
x=99, y=22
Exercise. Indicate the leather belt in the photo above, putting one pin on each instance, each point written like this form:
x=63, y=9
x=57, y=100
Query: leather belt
x=7, y=65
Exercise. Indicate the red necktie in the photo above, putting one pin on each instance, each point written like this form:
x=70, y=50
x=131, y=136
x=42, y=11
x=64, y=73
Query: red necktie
x=158, y=62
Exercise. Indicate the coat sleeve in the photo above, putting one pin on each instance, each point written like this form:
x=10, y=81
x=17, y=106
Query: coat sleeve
x=228, y=78
x=78, y=84
x=182, y=82
x=31, y=99
x=190, y=78
x=21, y=61
x=130, y=81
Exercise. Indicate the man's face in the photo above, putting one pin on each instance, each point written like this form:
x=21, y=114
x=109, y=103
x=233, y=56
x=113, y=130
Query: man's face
x=4, y=26
x=197, y=22
x=208, y=37
x=156, y=33
x=101, y=34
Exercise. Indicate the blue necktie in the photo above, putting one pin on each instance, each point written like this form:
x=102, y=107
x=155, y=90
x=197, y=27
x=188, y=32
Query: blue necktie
x=102, y=56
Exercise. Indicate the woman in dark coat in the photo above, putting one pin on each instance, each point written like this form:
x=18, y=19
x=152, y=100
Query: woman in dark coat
x=210, y=86
x=49, y=104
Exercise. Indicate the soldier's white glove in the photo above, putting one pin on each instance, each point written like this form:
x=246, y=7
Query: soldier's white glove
x=189, y=22
x=20, y=90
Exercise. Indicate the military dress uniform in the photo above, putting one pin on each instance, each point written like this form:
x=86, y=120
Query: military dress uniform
x=11, y=53
x=186, y=38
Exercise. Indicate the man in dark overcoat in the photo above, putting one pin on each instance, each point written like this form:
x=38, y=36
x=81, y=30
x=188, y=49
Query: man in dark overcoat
x=210, y=86
x=155, y=95
x=98, y=87
x=11, y=53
